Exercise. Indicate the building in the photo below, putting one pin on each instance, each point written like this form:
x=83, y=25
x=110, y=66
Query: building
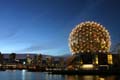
x=90, y=43
x=28, y=60
x=93, y=61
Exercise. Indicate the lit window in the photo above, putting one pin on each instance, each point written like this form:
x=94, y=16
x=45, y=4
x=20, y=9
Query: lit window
x=96, y=59
x=110, y=59
x=87, y=66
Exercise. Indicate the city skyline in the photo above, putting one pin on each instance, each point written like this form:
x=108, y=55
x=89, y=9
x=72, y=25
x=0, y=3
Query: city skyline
x=37, y=26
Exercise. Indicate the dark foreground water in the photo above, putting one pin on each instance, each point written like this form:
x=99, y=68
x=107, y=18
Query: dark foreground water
x=24, y=75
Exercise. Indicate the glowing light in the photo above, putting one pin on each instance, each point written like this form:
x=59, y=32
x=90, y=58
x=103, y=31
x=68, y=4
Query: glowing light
x=87, y=66
x=96, y=59
x=101, y=78
x=24, y=62
x=89, y=37
x=110, y=59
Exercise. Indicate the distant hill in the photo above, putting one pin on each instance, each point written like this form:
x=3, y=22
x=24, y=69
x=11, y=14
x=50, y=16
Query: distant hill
x=23, y=56
x=19, y=56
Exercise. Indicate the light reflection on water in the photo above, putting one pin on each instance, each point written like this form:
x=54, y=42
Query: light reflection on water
x=25, y=75
x=91, y=77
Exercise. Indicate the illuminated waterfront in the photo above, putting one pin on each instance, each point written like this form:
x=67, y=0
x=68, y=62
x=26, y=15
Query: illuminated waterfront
x=25, y=75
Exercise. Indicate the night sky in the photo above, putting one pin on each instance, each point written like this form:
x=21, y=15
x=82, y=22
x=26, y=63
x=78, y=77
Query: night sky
x=43, y=26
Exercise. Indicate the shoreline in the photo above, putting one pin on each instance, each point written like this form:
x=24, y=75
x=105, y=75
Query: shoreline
x=71, y=72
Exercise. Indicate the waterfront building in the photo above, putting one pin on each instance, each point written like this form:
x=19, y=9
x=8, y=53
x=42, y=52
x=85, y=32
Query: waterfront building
x=28, y=59
x=89, y=44
x=49, y=61
x=39, y=60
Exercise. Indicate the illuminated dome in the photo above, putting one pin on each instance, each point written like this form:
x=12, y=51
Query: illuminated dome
x=89, y=37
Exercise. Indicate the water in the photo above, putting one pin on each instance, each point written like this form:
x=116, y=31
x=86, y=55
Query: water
x=25, y=75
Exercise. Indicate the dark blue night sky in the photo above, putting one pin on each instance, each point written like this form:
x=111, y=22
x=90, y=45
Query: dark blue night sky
x=43, y=26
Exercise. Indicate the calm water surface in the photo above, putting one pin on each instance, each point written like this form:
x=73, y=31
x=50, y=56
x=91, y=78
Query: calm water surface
x=25, y=75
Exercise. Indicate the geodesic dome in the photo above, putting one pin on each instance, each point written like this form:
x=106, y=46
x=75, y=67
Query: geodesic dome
x=89, y=37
